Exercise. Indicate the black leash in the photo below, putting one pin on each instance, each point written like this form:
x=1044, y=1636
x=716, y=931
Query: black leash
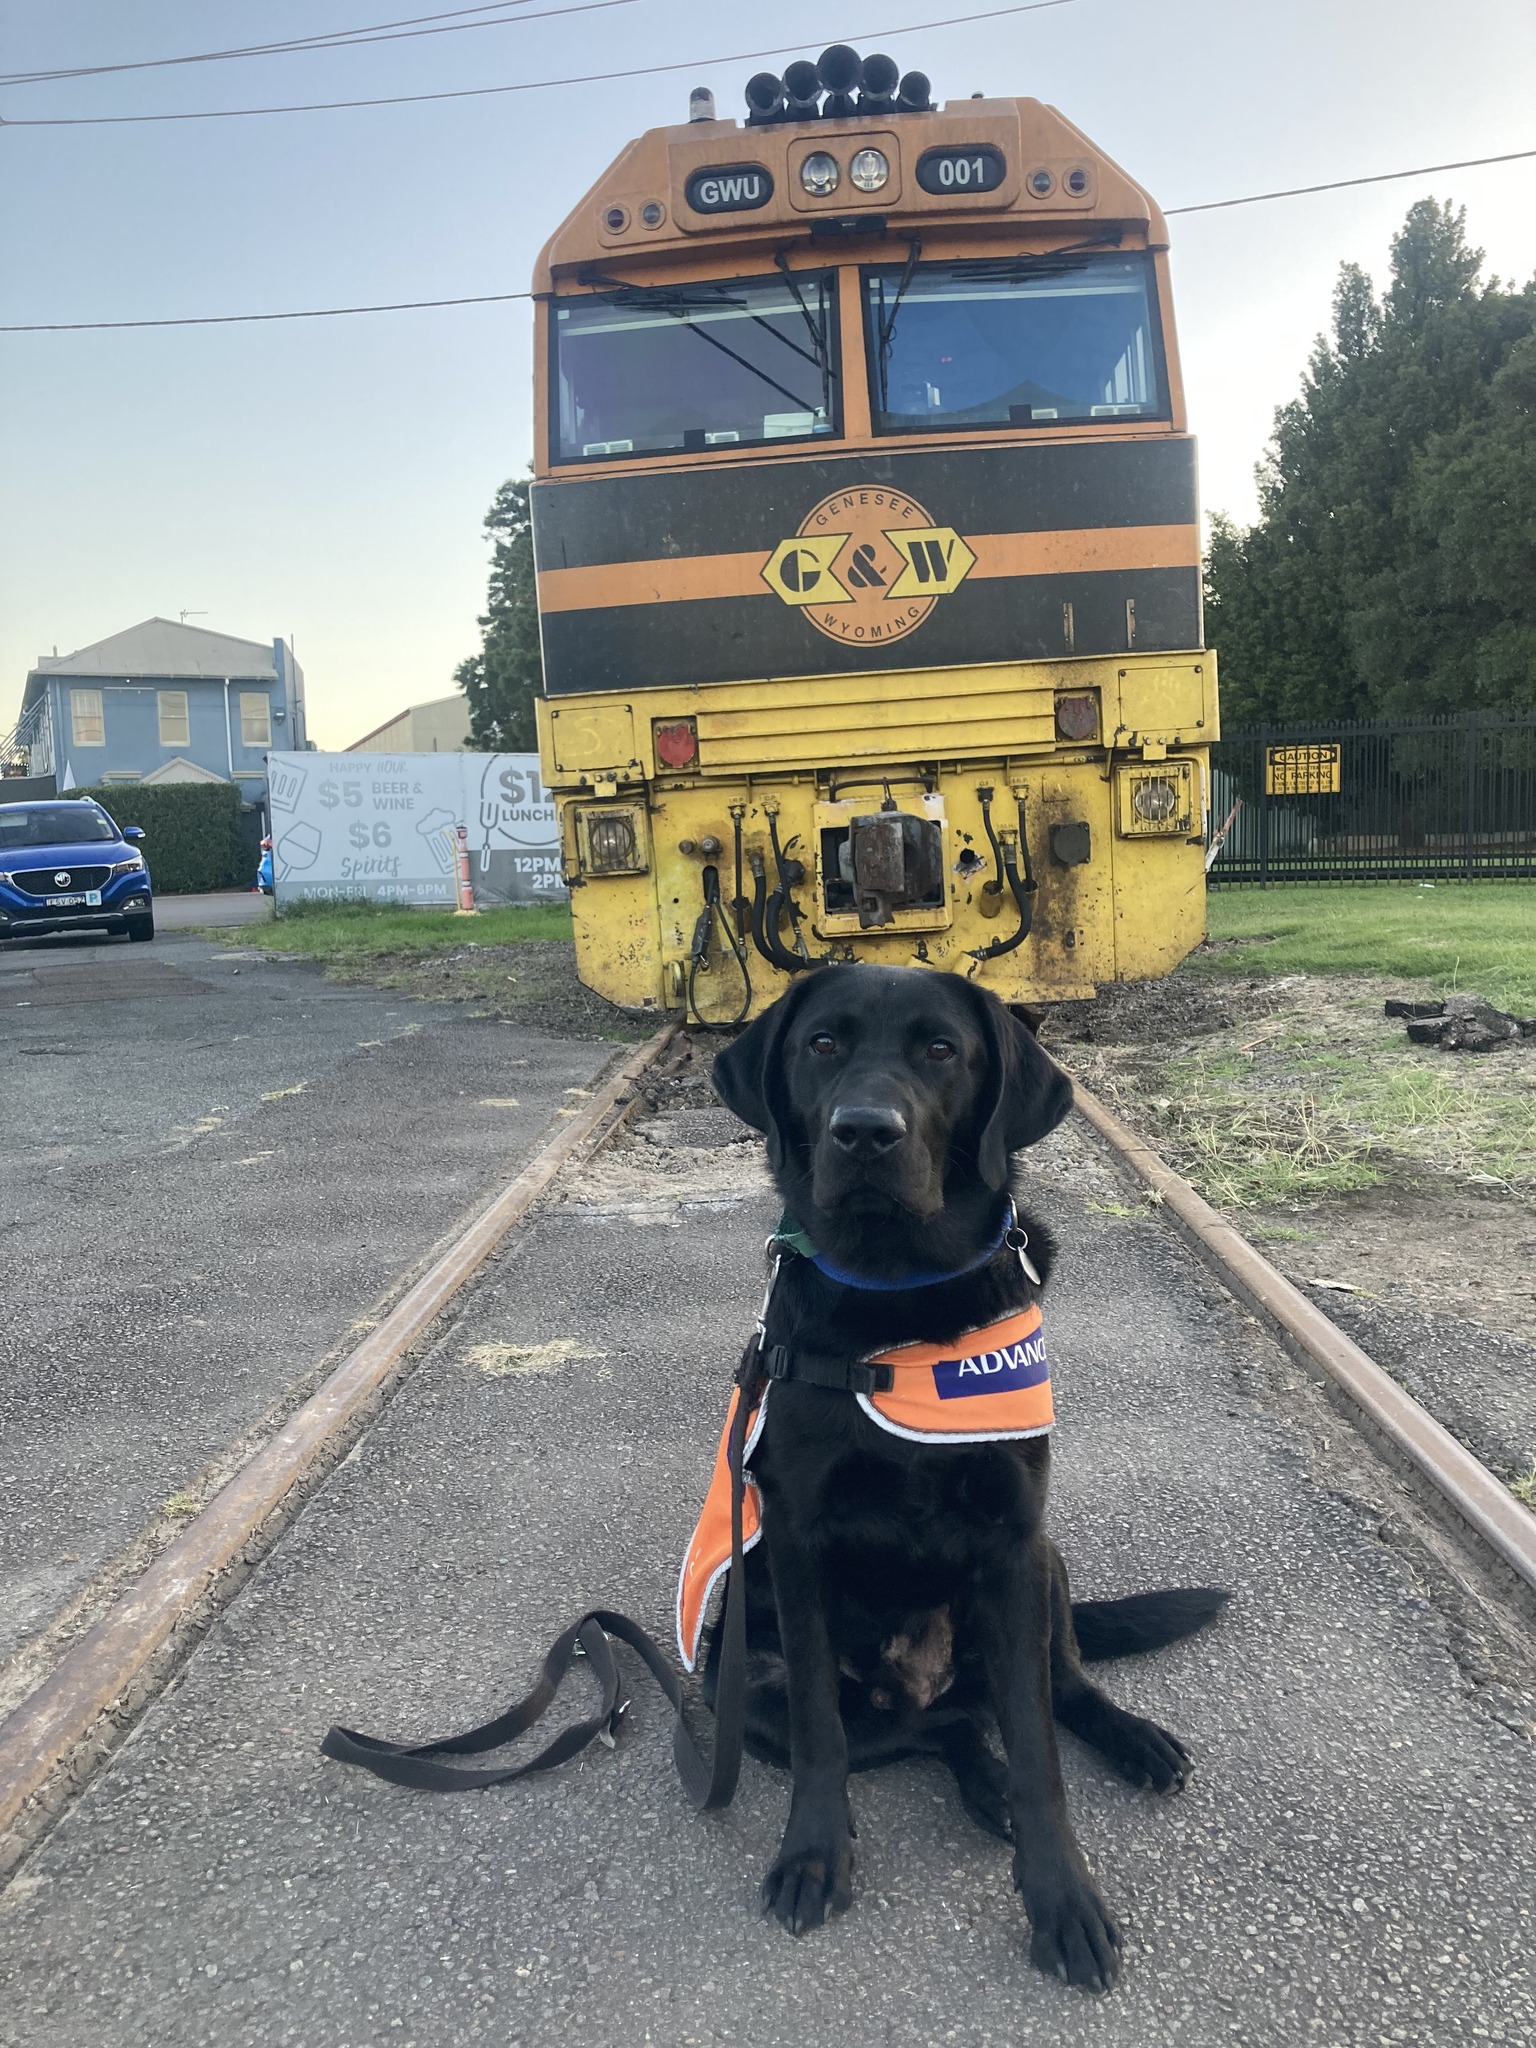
x=710, y=1782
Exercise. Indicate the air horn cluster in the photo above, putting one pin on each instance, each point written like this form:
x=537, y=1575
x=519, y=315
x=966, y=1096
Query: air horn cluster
x=838, y=86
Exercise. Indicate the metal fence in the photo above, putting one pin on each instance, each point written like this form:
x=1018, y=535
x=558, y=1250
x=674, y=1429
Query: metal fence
x=1394, y=800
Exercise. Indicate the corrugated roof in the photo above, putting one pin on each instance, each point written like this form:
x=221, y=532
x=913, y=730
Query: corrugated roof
x=164, y=647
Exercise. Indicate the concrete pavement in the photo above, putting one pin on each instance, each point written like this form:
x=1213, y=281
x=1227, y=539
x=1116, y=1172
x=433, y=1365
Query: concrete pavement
x=1354, y=1864
x=210, y=1164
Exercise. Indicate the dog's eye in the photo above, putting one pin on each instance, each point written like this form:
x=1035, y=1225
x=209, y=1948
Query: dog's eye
x=940, y=1049
x=823, y=1042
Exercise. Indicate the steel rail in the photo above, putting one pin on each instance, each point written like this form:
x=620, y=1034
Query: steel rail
x=57, y=1738
x=1483, y=1503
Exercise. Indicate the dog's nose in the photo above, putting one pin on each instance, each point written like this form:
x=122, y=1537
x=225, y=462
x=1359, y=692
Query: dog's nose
x=869, y=1131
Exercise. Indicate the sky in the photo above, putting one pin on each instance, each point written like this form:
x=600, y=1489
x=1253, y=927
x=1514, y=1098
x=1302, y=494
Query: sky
x=326, y=480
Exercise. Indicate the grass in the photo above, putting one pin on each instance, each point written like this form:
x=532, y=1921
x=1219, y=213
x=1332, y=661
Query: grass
x=1448, y=936
x=347, y=934
x=1524, y=1488
x=1327, y=1100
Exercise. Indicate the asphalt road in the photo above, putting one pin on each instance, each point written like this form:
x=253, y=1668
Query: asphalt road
x=210, y=1165
x=1354, y=1864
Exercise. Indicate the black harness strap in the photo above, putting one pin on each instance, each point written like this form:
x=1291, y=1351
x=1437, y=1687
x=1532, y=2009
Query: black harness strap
x=710, y=1782
x=841, y=1377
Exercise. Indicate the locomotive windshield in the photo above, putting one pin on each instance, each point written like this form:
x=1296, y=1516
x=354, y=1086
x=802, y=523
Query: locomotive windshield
x=655, y=370
x=1012, y=341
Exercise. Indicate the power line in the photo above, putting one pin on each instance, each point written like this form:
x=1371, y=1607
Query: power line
x=1468, y=163
x=336, y=39
x=242, y=319
x=476, y=92
x=502, y=298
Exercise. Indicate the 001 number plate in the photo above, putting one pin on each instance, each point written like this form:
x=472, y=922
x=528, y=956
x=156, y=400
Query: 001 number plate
x=981, y=168
x=91, y=899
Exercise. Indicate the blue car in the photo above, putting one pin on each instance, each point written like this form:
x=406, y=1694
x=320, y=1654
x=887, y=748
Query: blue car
x=64, y=867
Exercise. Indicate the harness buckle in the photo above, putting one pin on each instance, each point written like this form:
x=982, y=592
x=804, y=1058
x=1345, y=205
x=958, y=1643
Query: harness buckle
x=776, y=1362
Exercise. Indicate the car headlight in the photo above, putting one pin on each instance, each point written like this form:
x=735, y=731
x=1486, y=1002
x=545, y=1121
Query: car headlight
x=869, y=170
x=128, y=867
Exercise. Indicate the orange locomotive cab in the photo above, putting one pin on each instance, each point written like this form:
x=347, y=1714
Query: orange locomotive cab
x=868, y=559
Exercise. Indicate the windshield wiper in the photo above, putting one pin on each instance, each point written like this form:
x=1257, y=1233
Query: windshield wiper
x=887, y=329
x=1041, y=263
x=662, y=298
x=676, y=300
x=816, y=327
x=796, y=398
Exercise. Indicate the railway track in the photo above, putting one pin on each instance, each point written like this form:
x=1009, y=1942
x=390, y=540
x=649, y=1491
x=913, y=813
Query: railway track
x=88, y=1699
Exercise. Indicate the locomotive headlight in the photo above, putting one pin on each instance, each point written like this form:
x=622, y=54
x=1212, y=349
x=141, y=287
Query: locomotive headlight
x=1155, y=799
x=869, y=170
x=819, y=173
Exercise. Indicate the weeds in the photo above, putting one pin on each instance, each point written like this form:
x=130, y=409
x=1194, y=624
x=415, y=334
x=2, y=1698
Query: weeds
x=1250, y=1155
x=1328, y=1100
x=1524, y=1487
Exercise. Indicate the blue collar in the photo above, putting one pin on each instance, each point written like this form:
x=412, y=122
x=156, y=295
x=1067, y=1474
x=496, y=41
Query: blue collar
x=790, y=1235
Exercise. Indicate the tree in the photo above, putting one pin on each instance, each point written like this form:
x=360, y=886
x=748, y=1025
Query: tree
x=502, y=680
x=1473, y=512
x=1390, y=490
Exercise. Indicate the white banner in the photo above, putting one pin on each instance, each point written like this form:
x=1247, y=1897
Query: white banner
x=384, y=828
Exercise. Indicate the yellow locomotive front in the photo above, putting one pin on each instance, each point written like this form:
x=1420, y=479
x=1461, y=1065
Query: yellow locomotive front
x=868, y=559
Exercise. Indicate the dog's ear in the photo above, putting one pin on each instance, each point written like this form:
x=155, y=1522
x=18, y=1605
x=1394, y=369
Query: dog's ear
x=748, y=1074
x=1026, y=1094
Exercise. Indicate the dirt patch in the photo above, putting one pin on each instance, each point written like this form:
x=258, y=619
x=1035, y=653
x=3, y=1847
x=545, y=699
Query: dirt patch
x=533, y=982
x=1168, y=1012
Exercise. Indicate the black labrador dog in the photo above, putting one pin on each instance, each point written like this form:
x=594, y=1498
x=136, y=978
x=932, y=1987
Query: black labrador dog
x=905, y=1597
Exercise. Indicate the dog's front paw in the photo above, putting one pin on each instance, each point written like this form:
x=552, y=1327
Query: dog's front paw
x=1073, y=1934
x=807, y=1882
x=1148, y=1755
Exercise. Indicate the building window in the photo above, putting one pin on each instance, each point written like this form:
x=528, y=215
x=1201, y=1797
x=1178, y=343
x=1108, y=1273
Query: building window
x=255, y=719
x=86, y=722
x=175, y=725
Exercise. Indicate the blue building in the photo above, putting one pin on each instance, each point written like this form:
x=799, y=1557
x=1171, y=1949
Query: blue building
x=161, y=702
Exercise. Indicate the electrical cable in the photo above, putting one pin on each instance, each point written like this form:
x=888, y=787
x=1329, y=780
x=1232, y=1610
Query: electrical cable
x=333, y=39
x=1468, y=163
x=241, y=319
x=765, y=937
x=476, y=92
x=790, y=872
x=1022, y=886
x=497, y=298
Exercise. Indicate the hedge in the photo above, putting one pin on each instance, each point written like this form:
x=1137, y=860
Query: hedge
x=193, y=837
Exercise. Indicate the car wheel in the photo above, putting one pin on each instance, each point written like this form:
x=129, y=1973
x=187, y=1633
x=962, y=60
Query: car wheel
x=141, y=928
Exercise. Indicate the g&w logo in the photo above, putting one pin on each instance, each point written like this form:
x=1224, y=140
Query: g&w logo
x=868, y=564
x=993, y=1372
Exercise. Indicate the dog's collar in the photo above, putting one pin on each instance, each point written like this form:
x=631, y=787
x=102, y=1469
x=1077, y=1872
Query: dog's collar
x=790, y=1237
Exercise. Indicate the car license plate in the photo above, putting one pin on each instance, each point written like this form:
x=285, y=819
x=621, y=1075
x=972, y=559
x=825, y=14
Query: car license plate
x=91, y=899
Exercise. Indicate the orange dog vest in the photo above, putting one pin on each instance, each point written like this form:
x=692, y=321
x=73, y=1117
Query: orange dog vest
x=983, y=1387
